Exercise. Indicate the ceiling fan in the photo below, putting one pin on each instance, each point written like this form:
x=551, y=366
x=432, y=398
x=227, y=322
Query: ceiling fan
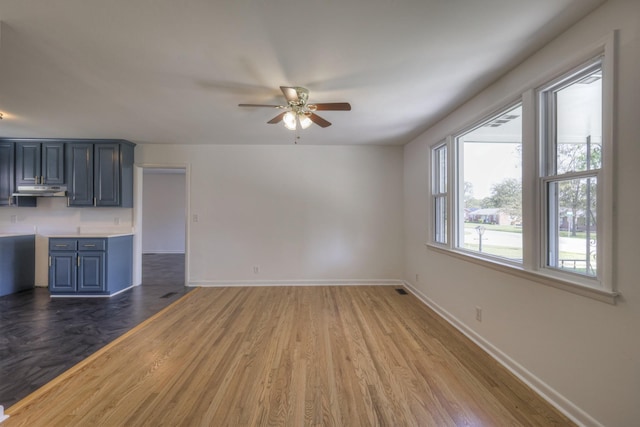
x=299, y=111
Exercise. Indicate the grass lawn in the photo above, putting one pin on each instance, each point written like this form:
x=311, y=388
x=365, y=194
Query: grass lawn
x=515, y=229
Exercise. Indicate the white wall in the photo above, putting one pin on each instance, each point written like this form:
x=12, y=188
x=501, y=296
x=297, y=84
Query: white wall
x=571, y=347
x=163, y=212
x=52, y=216
x=299, y=213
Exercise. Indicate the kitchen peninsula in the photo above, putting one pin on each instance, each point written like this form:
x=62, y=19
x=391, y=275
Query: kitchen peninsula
x=90, y=265
x=17, y=263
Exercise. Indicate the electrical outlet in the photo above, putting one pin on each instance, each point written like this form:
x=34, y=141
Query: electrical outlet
x=195, y=217
x=116, y=221
x=479, y=314
x=256, y=269
x=417, y=277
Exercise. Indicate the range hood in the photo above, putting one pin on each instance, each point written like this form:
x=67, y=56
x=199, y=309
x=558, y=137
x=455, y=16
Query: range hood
x=42, y=190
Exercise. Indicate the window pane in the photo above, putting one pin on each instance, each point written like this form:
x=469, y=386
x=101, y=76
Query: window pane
x=573, y=231
x=490, y=170
x=441, y=166
x=579, y=124
x=441, y=219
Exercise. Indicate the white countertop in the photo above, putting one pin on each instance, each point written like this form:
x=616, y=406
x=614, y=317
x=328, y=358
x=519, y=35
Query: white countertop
x=86, y=235
x=15, y=234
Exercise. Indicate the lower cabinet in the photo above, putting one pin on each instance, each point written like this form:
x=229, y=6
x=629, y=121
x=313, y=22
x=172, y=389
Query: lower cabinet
x=90, y=266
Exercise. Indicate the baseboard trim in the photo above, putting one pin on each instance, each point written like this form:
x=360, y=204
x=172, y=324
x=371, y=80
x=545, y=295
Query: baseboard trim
x=93, y=296
x=245, y=283
x=554, y=398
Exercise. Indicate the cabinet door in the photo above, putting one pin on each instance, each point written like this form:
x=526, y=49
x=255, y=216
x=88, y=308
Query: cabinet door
x=80, y=174
x=6, y=172
x=91, y=272
x=52, y=167
x=106, y=186
x=62, y=272
x=28, y=163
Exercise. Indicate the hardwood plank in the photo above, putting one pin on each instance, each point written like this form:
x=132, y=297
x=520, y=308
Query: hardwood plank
x=293, y=356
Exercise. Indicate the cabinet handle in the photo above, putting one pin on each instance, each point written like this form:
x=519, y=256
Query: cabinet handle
x=61, y=246
x=89, y=246
x=67, y=202
x=49, y=260
x=36, y=179
x=10, y=201
x=41, y=179
x=94, y=202
x=78, y=258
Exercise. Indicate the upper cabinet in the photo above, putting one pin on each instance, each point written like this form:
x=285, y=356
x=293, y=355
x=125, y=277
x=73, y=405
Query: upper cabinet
x=6, y=172
x=100, y=173
x=39, y=162
x=97, y=172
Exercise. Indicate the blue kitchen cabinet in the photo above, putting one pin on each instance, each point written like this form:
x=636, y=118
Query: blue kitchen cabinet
x=100, y=174
x=39, y=162
x=91, y=272
x=80, y=174
x=17, y=263
x=90, y=266
x=6, y=172
x=63, y=271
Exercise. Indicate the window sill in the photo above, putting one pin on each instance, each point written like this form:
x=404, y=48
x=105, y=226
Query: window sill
x=599, y=294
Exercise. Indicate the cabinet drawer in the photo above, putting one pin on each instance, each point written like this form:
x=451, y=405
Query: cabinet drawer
x=63, y=244
x=92, y=244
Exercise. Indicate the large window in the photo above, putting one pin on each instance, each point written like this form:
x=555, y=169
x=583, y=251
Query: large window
x=571, y=147
x=489, y=160
x=530, y=187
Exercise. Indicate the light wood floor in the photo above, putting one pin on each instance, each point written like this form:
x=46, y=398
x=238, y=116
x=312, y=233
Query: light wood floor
x=288, y=356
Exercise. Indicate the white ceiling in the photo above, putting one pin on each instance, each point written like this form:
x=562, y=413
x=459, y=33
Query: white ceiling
x=167, y=71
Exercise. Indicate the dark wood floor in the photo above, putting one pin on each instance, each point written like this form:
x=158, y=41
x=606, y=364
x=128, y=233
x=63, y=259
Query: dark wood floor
x=41, y=337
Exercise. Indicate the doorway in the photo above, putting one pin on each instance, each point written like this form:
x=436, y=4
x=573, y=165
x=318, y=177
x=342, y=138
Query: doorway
x=161, y=222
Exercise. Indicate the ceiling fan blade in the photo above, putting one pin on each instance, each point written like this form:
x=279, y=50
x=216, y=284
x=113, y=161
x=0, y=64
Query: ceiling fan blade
x=259, y=105
x=335, y=106
x=319, y=120
x=277, y=119
x=290, y=93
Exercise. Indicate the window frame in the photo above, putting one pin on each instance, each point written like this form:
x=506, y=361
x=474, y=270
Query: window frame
x=547, y=173
x=436, y=195
x=533, y=184
x=458, y=198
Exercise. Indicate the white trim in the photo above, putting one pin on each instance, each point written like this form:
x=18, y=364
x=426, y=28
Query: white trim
x=92, y=296
x=553, y=397
x=153, y=252
x=3, y=416
x=609, y=161
x=337, y=282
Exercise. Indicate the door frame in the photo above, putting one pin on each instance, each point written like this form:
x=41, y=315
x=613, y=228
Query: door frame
x=137, y=216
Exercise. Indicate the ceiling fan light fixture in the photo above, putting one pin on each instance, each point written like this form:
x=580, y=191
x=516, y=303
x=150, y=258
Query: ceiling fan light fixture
x=289, y=120
x=305, y=121
x=298, y=112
